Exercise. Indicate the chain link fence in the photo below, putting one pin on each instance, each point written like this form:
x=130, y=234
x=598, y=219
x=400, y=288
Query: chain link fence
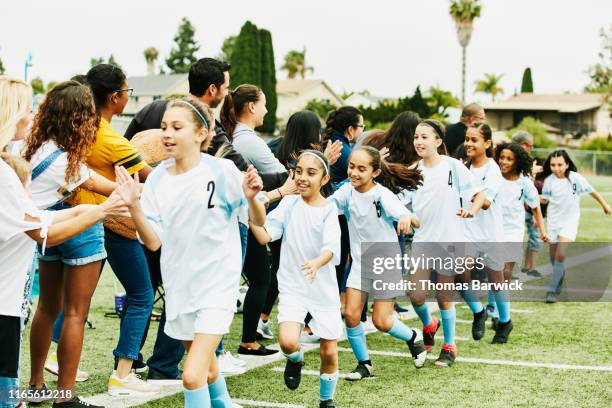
x=588, y=161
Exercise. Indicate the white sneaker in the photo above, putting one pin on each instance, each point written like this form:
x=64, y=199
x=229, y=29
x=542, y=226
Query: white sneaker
x=227, y=367
x=263, y=329
x=52, y=366
x=238, y=361
x=309, y=338
x=130, y=386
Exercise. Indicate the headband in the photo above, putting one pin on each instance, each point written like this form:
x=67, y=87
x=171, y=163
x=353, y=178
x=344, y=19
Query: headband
x=202, y=119
x=435, y=127
x=320, y=159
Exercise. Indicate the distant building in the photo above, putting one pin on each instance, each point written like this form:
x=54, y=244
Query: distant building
x=575, y=114
x=294, y=94
x=150, y=88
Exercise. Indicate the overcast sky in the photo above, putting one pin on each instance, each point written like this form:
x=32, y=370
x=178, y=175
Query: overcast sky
x=386, y=46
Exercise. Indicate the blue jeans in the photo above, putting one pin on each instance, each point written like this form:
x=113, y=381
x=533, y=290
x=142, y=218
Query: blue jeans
x=129, y=264
x=533, y=234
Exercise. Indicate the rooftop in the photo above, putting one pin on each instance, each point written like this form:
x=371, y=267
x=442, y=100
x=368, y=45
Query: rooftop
x=563, y=103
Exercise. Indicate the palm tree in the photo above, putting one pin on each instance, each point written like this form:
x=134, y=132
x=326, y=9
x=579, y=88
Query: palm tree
x=295, y=64
x=464, y=12
x=151, y=55
x=489, y=85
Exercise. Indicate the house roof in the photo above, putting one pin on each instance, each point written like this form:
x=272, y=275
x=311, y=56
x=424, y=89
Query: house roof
x=298, y=86
x=155, y=85
x=564, y=103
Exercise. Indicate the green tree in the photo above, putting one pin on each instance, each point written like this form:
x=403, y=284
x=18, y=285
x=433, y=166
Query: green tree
x=38, y=86
x=464, y=12
x=112, y=61
x=535, y=128
x=50, y=85
x=96, y=61
x=183, y=54
x=247, y=51
x=527, y=82
x=295, y=64
x=600, y=73
x=227, y=49
x=489, y=85
x=268, y=80
x=440, y=100
x=320, y=106
x=151, y=54
x=1, y=67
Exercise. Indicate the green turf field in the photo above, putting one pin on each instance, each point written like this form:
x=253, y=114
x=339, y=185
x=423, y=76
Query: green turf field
x=570, y=336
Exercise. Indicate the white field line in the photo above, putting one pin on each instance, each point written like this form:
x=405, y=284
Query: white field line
x=307, y=372
x=252, y=403
x=494, y=362
x=464, y=306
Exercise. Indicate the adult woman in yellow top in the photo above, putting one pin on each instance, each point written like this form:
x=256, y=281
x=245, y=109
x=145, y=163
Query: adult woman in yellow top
x=126, y=257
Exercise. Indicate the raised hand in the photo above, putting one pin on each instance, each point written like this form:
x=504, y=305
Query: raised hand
x=310, y=269
x=115, y=205
x=332, y=151
x=128, y=188
x=252, y=183
x=384, y=153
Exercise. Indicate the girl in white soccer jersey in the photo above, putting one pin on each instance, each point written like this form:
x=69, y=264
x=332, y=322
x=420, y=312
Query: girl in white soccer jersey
x=190, y=205
x=308, y=225
x=370, y=209
x=517, y=191
x=447, y=183
x=485, y=232
x=562, y=189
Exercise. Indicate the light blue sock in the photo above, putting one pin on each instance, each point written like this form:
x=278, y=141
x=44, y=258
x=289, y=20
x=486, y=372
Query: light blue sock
x=448, y=324
x=357, y=340
x=490, y=298
x=327, y=386
x=199, y=398
x=502, y=300
x=558, y=271
x=471, y=299
x=8, y=384
x=400, y=331
x=423, y=313
x=296, y=356
x=219, y=397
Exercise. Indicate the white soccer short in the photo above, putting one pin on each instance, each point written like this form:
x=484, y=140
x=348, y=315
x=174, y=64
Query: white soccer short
x=203, y=321
x=491, y=252
x=327, y=324
x=569, y=231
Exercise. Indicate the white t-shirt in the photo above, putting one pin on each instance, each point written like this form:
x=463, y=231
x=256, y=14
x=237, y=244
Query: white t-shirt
x=487, y=225
x=16, y=248
x=370, y=217
x=255, y=151
x=50, y=186
x=195, y=215
x=446, y=187
x=306, y=231
x=563, y=195
x=513, y=196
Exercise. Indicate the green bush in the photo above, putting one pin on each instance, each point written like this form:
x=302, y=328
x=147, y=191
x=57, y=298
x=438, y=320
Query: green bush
x=598, y=143
x=537, y=129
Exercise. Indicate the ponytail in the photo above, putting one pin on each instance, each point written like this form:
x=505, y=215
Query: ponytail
x=395, y=176
x=228, y=116
x=339, y=120
x=234, y=103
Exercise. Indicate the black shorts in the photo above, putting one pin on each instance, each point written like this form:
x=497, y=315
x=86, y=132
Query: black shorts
x=10, y=338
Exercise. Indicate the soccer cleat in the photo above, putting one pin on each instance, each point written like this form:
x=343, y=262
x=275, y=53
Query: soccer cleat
x=360, y=372
x=400, y=309
x=494, y=322
x=139, y=366
x=429, y=332
x=293, y=374
x=502, y=332
x=551, y=297
x=478, y=324
x=36, y=396
x=228, y=366
x=76, y=402
x=327, y=404
x=447, y=356
x=263, y=330
x=417, y=349
x=52, y=366
x=130, y=386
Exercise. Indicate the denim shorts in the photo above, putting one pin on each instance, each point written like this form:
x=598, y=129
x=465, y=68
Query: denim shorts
x=83, y=249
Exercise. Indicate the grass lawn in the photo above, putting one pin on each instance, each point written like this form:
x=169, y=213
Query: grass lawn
x=575, y=334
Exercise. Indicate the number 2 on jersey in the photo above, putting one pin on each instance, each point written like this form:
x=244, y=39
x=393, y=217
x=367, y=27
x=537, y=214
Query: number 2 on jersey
x=211, y=188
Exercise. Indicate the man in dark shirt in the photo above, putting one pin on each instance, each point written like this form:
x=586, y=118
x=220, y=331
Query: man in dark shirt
x=455, y=133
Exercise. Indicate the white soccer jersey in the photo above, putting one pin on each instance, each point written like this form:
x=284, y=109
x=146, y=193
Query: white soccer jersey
x=306, y=231
x=195, y=215
x=370, y=218
x=563, y=195
x=446, y=187
x=487, y=225
x=513, y=196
